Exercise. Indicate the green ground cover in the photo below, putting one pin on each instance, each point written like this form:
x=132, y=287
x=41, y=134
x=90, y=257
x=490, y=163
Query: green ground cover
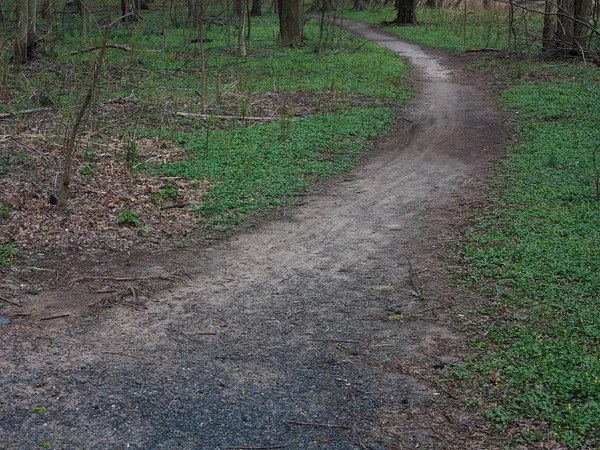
x=356, y=85
x=452, y=29
x=535, y=254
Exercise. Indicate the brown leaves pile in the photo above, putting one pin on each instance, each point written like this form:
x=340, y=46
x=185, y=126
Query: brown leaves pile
x=102, y=187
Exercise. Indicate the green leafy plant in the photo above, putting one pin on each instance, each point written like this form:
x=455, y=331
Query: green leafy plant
x=130, y=218
x=5, y=211
x=7, y=254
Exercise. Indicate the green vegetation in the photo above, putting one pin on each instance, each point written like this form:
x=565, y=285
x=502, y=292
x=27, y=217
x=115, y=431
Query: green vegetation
x=38, y=409
x=130, y=218
x=536, y=254
x=324, y=108
x=5, y=211
x=450, y=29
x=7, y=254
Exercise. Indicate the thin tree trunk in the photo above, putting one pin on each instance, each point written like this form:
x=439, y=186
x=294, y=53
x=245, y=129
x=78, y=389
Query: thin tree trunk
x=47, y=9
x=63, y=187
x=243, y=30
x=81, y=6
x=549, y=24
x=24, y=47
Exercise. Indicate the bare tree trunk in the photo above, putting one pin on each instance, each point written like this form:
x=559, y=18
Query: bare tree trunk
x=243, y=29
x=24, y=48
x=47, y=9
x=129, y=10
x=406, y=12
x=359, y=5
x=290, y=21
x=256, y=8
x=549, y=24
x=572, y=36
x=63, y=187
x=81, y=6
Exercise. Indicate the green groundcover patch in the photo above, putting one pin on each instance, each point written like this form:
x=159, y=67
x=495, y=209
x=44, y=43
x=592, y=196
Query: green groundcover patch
x=537, y=256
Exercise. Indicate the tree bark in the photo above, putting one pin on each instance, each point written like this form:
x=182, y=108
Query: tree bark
x=290, y=21
x=24, y=48
x=359, y=5
x=572, y=36
x=406, y=12
x=47, y=9
x=129, y=10
x=256, y=8
x=243, y=29
x=549, y=25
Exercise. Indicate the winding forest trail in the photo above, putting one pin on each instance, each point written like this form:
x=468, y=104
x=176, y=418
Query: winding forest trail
x=325, y=329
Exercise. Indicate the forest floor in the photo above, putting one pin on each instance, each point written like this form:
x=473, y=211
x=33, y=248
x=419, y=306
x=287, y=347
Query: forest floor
x=330, y=324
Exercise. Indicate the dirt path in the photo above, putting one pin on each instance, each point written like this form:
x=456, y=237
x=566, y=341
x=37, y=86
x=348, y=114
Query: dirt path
x=313, y=331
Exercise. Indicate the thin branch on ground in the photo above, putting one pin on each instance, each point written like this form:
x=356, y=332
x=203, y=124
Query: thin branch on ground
x=212, y=116
x=335, y=340
x=255, y=447
x=98, y=47
x=60, y=316
x=24, y=112
x=120, y=354
x=44, y=270
x=314, y=424
x=10, y=302
x=169, y=277
x=414, y=279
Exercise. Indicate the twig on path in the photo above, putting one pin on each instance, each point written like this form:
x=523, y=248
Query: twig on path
x=254, y=447
x=314, y=424
x=168, y=277
x=44, y=270
x=414, y=279
x=10, y=302
x=341, y=341
x=134, y=295
x=60, y=316
x=120, y=354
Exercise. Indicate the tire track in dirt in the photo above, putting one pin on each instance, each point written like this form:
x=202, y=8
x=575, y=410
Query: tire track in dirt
x=305, y=332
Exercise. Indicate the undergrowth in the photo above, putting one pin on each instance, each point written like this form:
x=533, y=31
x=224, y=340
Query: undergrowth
x=536, y=256
x=452, y=29
x=355, y=88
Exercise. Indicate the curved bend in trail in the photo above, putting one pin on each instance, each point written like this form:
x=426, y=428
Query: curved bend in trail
x=305, y=333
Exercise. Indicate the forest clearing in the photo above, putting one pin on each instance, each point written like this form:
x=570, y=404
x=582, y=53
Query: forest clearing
x=220, y=231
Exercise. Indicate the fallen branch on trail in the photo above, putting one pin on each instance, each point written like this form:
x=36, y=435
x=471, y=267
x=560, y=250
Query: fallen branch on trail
x=254, y=447
x=213, y=116
x=168, y=277
x=313, y=424
x=98, y=47
x=481, y=50
x=55, y=317
x=10, y=302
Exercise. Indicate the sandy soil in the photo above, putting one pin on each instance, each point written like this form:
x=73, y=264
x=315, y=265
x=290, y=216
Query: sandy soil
x=328, y=328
